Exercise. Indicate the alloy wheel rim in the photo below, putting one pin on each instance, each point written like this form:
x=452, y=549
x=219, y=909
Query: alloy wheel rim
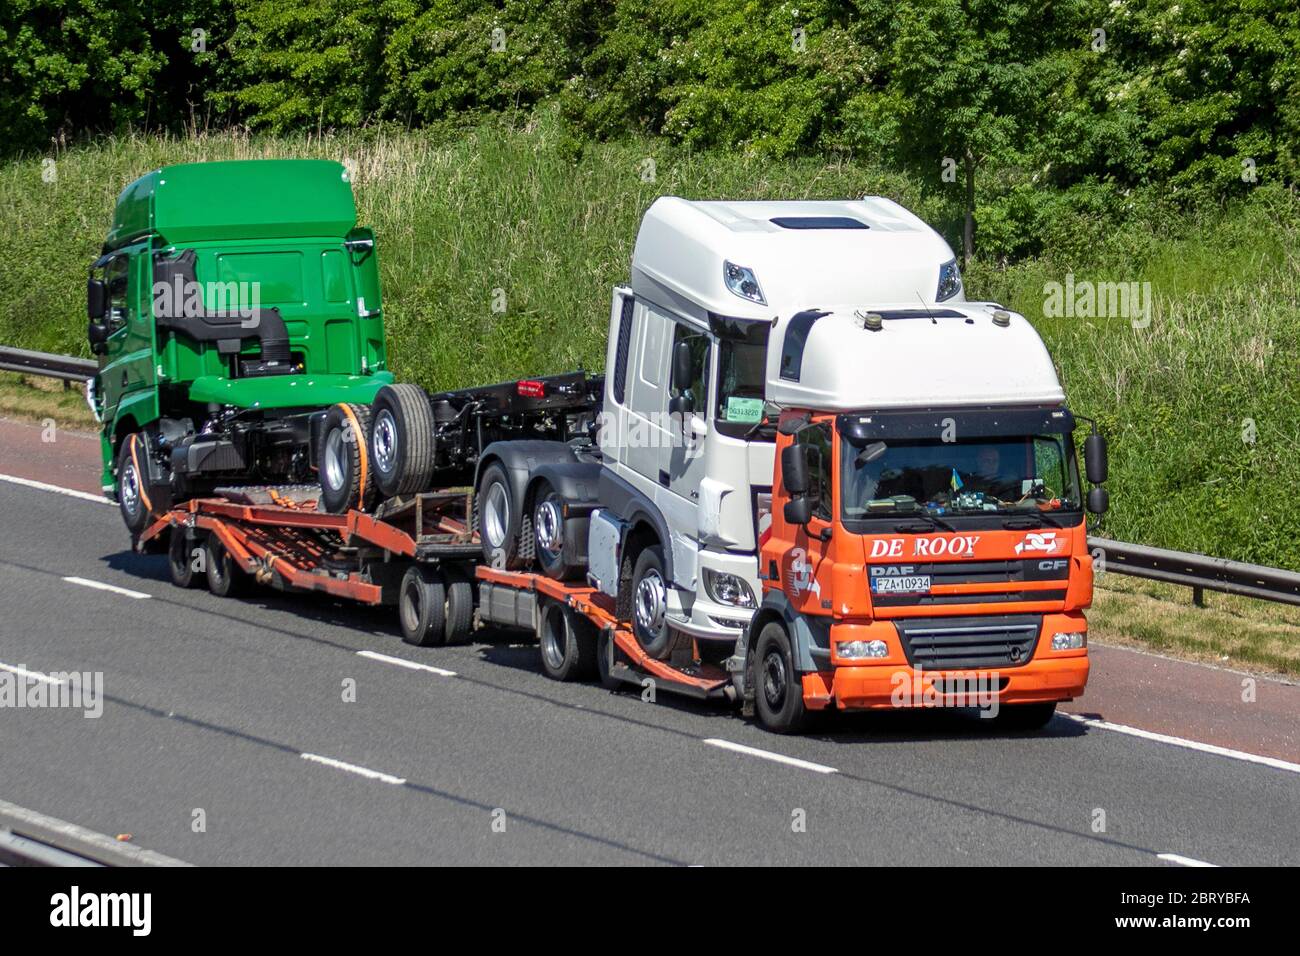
x=651, y=601
x=385, y=441
x=130, y=486
x=552, y=636
x=334, y=459
x=494, y=515
x=774, y=680
x=550, y=526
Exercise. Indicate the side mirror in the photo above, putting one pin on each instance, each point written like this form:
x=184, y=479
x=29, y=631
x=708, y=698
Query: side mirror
x=798, y=511
x=794, y=471
x=1094, y=459
x=97, y=335
x=683, y=366
x=679, y=406
x=96, y=299
x=1098, y=500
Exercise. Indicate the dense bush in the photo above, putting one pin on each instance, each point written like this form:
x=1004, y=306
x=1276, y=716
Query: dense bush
x=1009, y=112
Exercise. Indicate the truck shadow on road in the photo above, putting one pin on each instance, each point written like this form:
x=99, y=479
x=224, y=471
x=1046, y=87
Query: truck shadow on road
x=932, y=724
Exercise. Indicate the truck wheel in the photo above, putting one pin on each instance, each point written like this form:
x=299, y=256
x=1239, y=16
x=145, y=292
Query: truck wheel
x=567, y=642
x=459, y=623
x=548, y=535
x=1024, y=716
x=422, y=606
x=225, y=577
x=650, y=603
x=401, y=440
x=778, y=690
x=604, y=660
x=498, y=528
x=347, y=478
x=180, y=559
x=132, y=495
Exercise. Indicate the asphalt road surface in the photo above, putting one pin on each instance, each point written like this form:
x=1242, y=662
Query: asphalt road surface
x=235, y=714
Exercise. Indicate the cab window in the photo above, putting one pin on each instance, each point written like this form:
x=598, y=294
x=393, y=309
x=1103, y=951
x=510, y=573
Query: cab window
x=816, y=443
x=115, y=279
x=742, y=371
x=699, y=343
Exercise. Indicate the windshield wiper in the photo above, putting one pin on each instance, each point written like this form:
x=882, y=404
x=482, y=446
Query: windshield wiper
x=1036, y=520
x=910, y=528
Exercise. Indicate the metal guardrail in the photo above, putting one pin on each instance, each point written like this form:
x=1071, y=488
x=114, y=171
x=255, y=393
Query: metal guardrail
x=1198, y=571
x=44, y=363
x=28, y=838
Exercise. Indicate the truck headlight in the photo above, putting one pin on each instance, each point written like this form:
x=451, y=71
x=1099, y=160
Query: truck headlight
x=949, y=281
x=863, y=650
x=742, y=281
x=1069, y=641
x=728, y=589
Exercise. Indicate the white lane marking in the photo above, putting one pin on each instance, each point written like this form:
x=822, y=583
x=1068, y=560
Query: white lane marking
x=57, y=489
x=10, y=812
x=1184, y=860
x=34, y=675
x=768, y=755
x=403, y=662
x=101, y=586
x=353, y=768
x=1273, y=762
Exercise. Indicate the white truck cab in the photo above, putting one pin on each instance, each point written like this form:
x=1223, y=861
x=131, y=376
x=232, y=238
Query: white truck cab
x=694, y=350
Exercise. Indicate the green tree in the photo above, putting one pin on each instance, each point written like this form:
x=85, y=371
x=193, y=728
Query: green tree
x=967, y=83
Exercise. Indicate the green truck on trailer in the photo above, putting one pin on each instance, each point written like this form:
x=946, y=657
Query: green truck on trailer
x=237, y=315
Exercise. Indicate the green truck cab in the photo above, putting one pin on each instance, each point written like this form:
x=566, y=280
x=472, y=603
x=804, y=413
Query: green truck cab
x=233, y=305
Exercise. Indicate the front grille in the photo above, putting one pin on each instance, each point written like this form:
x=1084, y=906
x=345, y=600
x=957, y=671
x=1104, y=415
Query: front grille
x=969, y=642
x=1008, y=572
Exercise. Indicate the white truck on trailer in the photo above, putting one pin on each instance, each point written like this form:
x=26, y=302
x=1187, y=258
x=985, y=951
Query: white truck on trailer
x=687, y=469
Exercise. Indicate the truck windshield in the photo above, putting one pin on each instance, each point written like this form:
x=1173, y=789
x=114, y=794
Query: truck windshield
x=1033, y=474
x=742, y=370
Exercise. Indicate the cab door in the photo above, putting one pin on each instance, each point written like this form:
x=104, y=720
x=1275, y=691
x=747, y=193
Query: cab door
x=804, y=565
x=129, y=351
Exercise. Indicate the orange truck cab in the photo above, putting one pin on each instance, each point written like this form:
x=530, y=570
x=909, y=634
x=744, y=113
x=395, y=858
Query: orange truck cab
x=927, y=543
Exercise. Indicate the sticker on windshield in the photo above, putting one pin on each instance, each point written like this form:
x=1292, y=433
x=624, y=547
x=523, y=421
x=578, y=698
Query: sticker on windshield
x=746, y=411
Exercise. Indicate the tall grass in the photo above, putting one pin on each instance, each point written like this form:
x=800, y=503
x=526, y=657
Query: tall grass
x=550, y=223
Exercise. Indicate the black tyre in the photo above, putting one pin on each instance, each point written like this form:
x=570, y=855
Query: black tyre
x=1024, y=716
x=567, y=642
x=347, y=478
x=422, y=606
x=778, y=688
x=225, y=577
x=132, y=485
x=401, y=440
x=182, y=550
x=650, y=603
x=499, y=528
x=548, y=528
x=604, y=661
x=459, y=624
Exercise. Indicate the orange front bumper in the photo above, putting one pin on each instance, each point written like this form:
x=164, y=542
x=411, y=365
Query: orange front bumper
x=894, y=686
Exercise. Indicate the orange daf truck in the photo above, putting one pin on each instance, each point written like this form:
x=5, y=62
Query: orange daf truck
x=927, y=542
